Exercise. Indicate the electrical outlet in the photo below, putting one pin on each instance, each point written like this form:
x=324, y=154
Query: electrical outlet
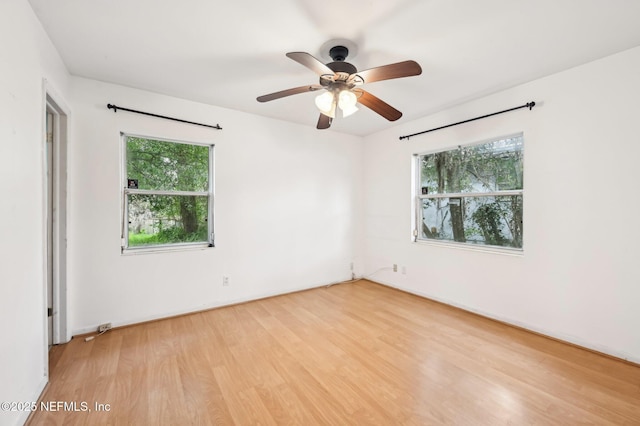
x=104, y=327
x=225, y=280
x=404, y=270
x=395, y=267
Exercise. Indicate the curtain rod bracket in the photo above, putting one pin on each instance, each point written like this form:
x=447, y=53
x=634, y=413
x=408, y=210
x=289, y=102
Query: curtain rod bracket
x=115, y=108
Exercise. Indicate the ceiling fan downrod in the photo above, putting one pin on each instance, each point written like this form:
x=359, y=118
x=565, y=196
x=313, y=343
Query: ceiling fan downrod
x=338, y=53
x=339, y=65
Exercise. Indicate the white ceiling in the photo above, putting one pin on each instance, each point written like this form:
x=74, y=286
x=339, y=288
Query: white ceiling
x=226, y=53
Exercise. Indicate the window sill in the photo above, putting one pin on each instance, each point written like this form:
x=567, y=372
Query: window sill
x=133, y=251
x=506, y=251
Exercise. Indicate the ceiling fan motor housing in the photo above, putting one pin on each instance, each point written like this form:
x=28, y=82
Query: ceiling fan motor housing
x=344, y=67
x=339, y=54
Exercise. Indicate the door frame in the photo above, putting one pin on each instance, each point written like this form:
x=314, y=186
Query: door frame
x=54, y=103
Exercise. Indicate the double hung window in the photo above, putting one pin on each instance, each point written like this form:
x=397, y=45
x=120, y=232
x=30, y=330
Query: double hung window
x=472, y=194
x=167, y=193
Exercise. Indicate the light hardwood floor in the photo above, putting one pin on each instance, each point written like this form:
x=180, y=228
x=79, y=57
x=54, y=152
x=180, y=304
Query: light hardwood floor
x=350, y=354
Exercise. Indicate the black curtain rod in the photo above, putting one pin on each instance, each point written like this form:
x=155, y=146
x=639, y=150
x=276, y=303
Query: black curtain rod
x=529, y=105
x=115, y=108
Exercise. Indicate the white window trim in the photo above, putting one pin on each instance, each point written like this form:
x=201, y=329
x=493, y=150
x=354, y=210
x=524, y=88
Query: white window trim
x=124, y=211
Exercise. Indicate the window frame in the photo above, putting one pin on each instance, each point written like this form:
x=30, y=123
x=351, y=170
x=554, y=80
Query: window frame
x=418, y=197
x=126, y=191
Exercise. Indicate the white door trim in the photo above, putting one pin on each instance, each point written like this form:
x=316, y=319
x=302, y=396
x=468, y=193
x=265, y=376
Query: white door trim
x=52, y=101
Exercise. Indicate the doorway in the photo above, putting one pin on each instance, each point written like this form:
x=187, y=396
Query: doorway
x=50, y=194
x=55, y=191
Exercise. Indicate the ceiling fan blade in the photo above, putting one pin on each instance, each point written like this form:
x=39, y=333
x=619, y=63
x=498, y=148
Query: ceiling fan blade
x=378, y=105
x=289, y=92
x=310, y=62
x=387, y=72
x=324, y=122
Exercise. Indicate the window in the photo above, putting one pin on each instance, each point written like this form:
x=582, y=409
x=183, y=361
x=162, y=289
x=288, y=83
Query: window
x=472, y=195
x=167, y=194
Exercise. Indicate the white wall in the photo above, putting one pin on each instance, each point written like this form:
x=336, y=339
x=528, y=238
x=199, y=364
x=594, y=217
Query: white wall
x=27, y=57
x=287, y=204
x=578, y=278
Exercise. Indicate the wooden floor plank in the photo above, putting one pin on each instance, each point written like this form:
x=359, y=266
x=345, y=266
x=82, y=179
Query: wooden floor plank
x=357, y=353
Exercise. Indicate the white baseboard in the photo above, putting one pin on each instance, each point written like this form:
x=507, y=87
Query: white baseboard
x=558, y=336
x=548, y=333
x=202, y=308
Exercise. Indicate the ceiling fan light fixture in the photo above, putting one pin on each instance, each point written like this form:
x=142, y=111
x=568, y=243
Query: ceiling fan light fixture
x=349, y=110
x=326, y=104
x=347, y=101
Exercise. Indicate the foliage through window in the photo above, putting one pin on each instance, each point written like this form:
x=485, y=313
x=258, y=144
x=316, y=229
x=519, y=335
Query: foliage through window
x=167, y=193
x=472, y=194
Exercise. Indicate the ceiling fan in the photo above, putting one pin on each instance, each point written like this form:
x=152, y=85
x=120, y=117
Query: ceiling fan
x=340, y=83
